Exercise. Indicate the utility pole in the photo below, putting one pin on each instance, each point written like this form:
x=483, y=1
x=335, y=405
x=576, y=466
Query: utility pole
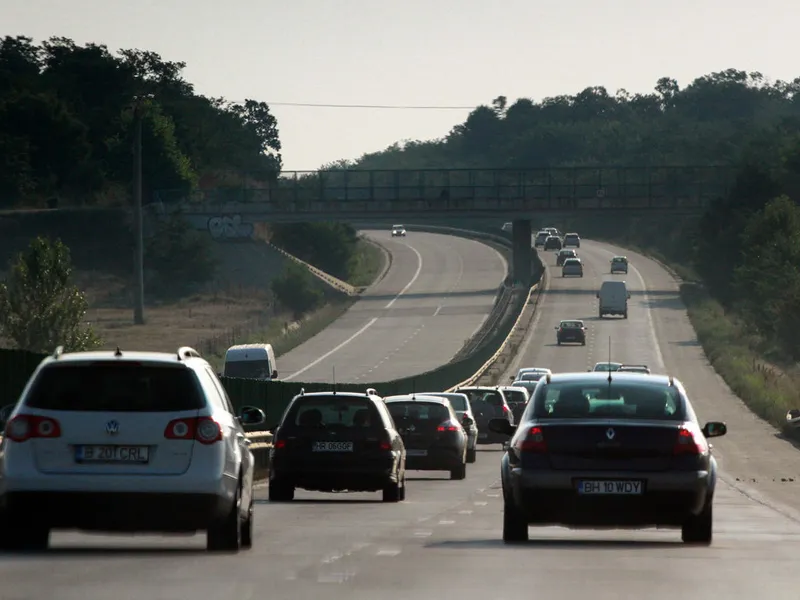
x=138, y=220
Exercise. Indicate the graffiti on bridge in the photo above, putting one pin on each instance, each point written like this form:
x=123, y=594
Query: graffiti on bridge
x=229, y=227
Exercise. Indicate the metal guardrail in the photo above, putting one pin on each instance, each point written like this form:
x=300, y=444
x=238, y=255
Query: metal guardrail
x=330, y=280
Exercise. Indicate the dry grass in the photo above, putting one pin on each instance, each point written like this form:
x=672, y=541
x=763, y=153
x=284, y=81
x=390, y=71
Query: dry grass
x=188, y=321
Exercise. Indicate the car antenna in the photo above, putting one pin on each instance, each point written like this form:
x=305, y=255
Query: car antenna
x=413, y=389
x=334, y=379
x=609, y=364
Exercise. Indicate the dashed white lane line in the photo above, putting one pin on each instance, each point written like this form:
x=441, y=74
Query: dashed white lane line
x=423, y=533
x=388, y=552
x=446, y=522
x=369, y=324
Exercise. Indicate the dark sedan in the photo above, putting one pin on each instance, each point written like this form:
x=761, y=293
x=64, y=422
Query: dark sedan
x=571, y=331
x=434, y=437
x=609, y=450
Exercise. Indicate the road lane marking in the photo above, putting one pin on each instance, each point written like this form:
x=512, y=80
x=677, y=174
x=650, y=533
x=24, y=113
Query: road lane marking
x=369, y=324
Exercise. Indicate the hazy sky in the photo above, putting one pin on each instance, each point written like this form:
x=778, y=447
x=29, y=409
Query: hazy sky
x=413, y=52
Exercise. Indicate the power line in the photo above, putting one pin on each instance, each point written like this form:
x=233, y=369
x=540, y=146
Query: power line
x=376, y=106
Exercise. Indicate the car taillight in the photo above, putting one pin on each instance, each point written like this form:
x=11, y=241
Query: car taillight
x=202, y=429
x=279, y=444
x=505, y=410
x=533, y=441
x=386, y=445
x=448, y=426
x=689, y=443
x=26, y=427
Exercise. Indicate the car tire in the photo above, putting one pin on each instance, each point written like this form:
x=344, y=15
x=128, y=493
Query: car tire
x=225, y=535
x=280, y=492
x=247, y=529
x=699, y=529
x=472, y=455
x=460, y=472
x=583, y=343
x=558, y=342
x=403, y=489
x=392, y=492
x=515, y=526
x=625, y=315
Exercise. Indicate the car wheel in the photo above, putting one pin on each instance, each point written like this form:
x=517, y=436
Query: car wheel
x=558, y=342
x=699, y=529
x=625, y=315
x=247, y=529
x=515, y=526
x=460, y=472
x=391, y=492
x=280, y=492
x=225, y=535
x=403, y=489
x=472, y=455
x=583, y=343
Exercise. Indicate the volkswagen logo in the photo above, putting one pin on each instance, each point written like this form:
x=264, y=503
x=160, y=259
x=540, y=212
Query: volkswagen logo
x=112, y=428
x=610, y=433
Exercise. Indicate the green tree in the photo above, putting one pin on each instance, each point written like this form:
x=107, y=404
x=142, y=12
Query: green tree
x=40, y=308
x=179, y=257
x=296, y=290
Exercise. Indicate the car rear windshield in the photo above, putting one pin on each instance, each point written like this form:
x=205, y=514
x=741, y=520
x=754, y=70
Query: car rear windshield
x=248, y=369
x=116, y=387
x=333, y=411
x=418, y=411
x=590, y=400
x=571, y=324
x=516, y=396
x=457, y=401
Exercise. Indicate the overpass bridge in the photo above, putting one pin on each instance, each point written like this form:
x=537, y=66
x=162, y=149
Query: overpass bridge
x=441, y=195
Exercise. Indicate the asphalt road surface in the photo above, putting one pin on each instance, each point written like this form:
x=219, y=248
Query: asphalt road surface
x=444, y=540
x=437, y=293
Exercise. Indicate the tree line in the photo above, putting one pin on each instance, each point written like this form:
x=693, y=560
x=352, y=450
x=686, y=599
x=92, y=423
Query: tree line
x=746, y=247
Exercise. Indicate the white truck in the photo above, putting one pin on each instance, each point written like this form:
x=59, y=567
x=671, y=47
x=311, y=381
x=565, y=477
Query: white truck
x=613, y=296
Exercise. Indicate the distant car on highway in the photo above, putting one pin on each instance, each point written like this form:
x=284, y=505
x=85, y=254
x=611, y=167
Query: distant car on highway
x=398, y=231
x=433, y=434
x=488, y=403
x=571, y=331
x=541, y=237
x=334, y=442
x=126, y=442
x=552, y=231
x=643, y=369
x=564, y=254
x=619, y=264
x=539, y=371
x=527, y=384
x=592, y=453
x=460, y=403
x=553, y=242
x=572, y=267
x=572, y=239
x=517, y=398
x=607, y=366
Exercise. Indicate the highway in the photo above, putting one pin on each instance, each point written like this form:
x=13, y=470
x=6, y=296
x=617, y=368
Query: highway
x=436, y=294
x=445, y=538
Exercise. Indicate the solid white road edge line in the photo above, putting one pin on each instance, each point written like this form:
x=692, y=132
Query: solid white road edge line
x=369, y=324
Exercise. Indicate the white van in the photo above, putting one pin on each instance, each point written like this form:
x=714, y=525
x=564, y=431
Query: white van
x=614, y=296
x=251, y=361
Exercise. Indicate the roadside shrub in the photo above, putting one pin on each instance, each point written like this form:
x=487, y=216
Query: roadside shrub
x=296, y=290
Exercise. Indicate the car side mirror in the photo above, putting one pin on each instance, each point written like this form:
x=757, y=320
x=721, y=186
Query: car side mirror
x=275, y=373
x=502, y=426
x=466, y=421
x=5, y=413
x=629, y=295
x=556, y=327
x=250, y=415
x=715, y=429
x=597, y=295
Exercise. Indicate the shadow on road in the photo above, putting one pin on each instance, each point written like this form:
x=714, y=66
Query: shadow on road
x=96, y=552
x=553, y=544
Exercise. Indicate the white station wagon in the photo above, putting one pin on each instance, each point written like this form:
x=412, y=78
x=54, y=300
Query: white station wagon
x=126, y=442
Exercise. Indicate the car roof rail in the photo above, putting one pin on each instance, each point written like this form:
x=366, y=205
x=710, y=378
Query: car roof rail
x=372, y=392
x=187, y=352
x=58, y=352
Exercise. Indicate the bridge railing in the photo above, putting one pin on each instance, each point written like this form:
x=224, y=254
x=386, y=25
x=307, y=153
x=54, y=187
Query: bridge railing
x=472, y=189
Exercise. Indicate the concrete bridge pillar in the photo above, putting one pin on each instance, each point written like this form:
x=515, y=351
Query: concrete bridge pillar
x=522, y=261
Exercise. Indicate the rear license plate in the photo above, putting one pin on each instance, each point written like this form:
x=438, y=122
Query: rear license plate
x=483, y=436
x=610, y=488
x=416, y=453
x=332, y=447
x=112, y=454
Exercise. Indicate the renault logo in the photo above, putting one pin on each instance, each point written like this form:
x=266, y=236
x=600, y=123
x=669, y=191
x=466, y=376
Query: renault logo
x=112, y=428
x=610, y=433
